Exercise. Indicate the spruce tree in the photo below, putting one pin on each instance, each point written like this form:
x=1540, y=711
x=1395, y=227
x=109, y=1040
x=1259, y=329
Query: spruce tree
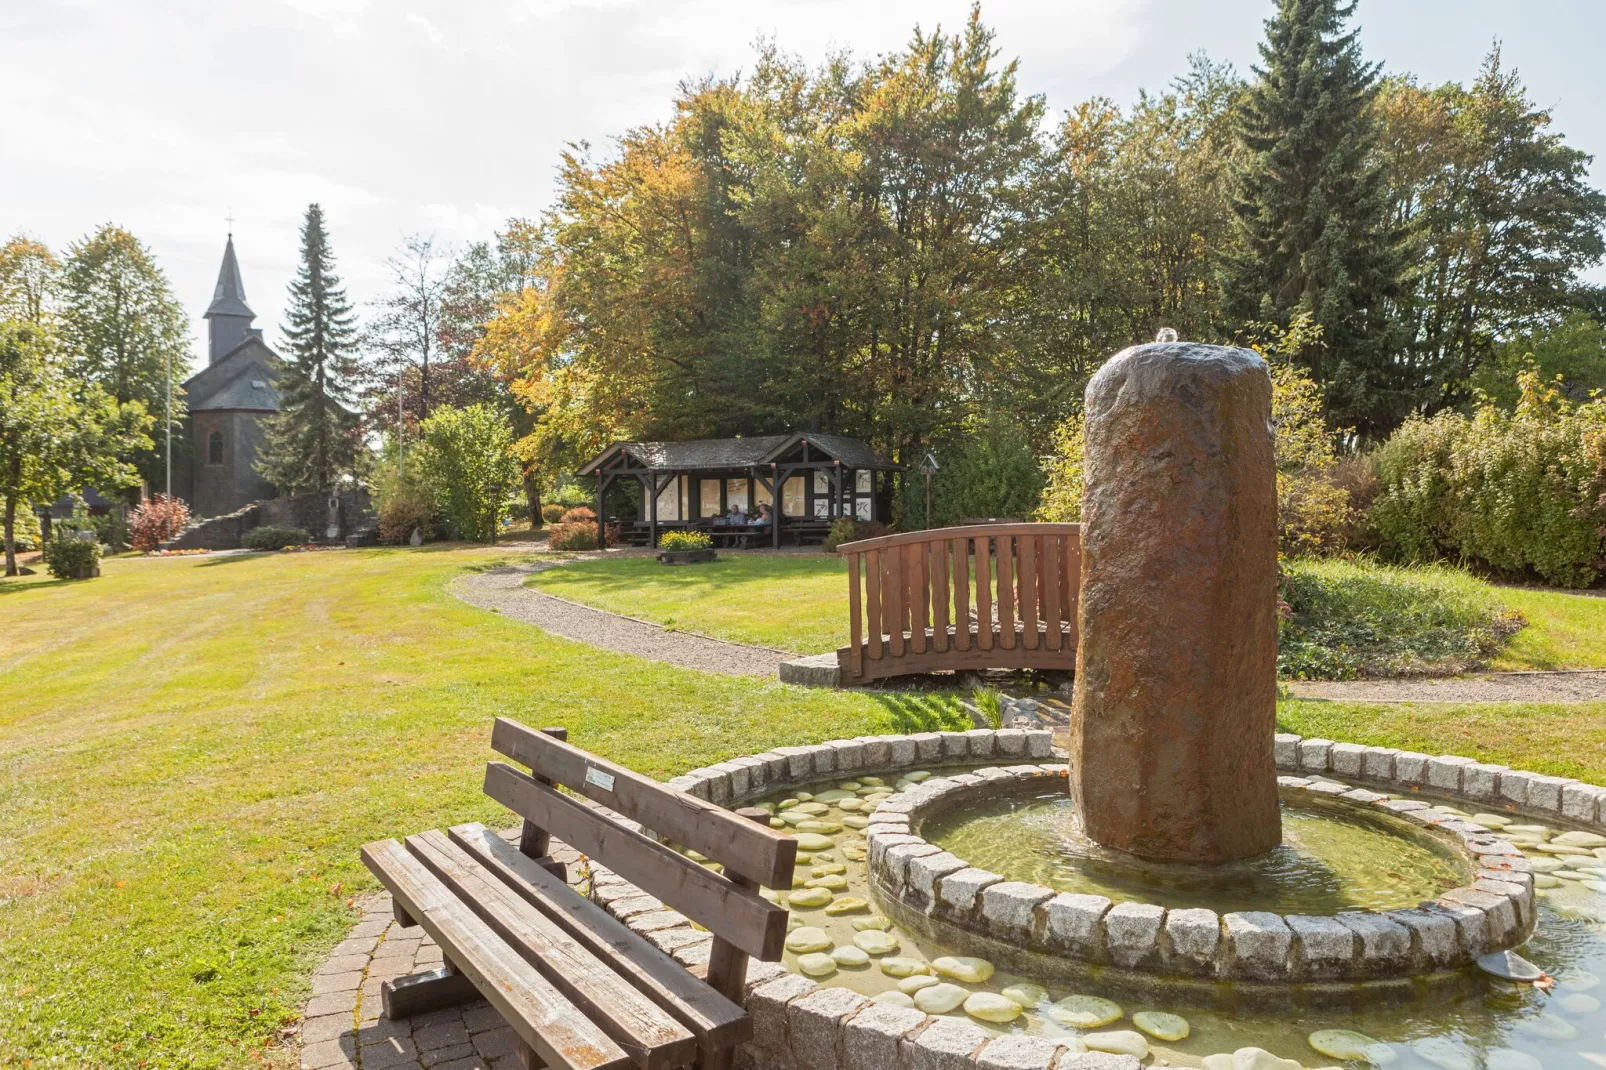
x=1311, y=210
x=315, y=437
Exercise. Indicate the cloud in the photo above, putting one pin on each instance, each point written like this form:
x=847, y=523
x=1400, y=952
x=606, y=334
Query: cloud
x=435, y=115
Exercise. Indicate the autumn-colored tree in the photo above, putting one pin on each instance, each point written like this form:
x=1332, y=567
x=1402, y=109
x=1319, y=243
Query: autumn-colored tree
x=30, y=280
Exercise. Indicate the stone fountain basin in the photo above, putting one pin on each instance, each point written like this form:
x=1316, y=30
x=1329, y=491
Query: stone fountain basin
x=1060, y=935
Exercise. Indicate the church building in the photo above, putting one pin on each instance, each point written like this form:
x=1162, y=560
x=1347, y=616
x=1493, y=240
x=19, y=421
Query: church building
x=228, y=401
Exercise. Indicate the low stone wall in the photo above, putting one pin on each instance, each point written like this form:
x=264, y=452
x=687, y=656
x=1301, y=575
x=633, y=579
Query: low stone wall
x=802, y=1025
x=1494, y=912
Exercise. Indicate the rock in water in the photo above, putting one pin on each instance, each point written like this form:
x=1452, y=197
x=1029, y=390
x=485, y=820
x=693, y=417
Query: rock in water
x=1176, y=692
x=1118, y=1042
x=940, y=998
x=1509, y=966
x=964, y=968
x=816, y=964
x=991, y=1007
x=850, y=956
x=1249, y=1059
x=1507, y=1059
x=875, y=942
x=897, y=999
x=807, y=938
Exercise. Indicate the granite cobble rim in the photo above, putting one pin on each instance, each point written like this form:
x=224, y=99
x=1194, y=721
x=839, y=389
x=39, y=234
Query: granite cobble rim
x=1250, y=946
x=869, y=1030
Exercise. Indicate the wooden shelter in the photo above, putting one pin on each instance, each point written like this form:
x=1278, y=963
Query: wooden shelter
x=807, y=480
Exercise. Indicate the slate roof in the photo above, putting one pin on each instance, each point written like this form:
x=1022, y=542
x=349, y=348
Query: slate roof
x=739, y=452
x=231, y=381
x=228, y=296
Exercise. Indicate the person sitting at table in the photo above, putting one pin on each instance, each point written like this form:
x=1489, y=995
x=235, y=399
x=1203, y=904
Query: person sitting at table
x=736, y=516
x=762, y=516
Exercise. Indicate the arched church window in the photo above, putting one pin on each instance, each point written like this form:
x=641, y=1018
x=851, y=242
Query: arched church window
x=214, y=448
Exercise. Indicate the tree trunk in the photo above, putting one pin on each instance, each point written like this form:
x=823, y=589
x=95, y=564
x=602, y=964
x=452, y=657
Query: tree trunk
x=10, y=536
x=532, y=494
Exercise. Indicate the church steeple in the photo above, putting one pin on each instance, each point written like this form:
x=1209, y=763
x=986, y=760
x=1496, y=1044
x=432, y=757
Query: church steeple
x=230, y=317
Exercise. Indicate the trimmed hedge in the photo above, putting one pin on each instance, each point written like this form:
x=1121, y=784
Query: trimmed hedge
x=68, y=557
x=272, y=538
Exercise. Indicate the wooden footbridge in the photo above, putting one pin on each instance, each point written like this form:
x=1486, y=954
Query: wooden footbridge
x=992, y=596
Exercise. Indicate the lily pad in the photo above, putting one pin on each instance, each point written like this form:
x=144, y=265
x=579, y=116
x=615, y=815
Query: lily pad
x=1160, y=1025
x=1027, y=995
x=1084, y=1012
x=1348, y=1044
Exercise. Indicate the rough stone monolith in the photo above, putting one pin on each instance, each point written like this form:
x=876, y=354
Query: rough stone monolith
x=1176, y=672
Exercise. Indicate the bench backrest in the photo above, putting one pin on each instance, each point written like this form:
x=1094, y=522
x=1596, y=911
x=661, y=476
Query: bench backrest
x=728, y=905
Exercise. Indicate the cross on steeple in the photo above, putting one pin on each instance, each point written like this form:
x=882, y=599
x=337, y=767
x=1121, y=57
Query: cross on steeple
x=229, y=219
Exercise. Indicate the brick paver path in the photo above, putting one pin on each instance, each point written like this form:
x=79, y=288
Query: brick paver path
x=342, y=1025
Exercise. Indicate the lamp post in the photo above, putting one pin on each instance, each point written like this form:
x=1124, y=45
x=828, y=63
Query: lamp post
x=928, y=468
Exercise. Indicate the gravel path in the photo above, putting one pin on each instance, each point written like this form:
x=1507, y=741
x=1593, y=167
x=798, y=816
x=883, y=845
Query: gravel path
x=1583, y=685
x=502, y=590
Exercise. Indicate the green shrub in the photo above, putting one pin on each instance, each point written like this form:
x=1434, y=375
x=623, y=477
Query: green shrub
x=111, y=529
x=685, y=540
x=1342, y=620
x=846, y=529
x=552, y=512
x=570, y=495
x=573, y=536
x=990, y=701
x=1523, y=492
x=269, y=537
x=468, y=462
x=68, y=557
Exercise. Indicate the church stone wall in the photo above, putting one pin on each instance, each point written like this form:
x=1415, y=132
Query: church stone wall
x=223, y=488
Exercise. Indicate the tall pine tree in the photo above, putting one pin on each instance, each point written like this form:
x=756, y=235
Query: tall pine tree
x=1312, y=210
x=315, y=438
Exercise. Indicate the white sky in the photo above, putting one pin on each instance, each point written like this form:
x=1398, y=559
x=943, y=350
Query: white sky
x=404, y=116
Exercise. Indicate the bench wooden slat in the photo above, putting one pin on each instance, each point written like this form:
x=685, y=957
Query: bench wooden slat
x=538, y=1012
x=744, y=918
x=652, y=1039
x=739, y=845
x=712, y=1018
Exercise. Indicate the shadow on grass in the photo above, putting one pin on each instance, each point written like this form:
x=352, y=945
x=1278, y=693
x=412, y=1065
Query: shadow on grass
x=931, y=712
x=18, y=584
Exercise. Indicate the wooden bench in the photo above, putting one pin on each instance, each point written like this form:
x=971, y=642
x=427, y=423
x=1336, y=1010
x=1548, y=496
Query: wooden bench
x=578, y=987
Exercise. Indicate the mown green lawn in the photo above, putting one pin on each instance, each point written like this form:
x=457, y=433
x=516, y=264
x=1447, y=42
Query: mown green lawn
x=192, y=750
x=795, y=602
x=1565, y=631
x=799, y=602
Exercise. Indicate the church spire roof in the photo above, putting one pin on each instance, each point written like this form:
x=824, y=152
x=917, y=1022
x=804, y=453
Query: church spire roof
x=228, y=297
